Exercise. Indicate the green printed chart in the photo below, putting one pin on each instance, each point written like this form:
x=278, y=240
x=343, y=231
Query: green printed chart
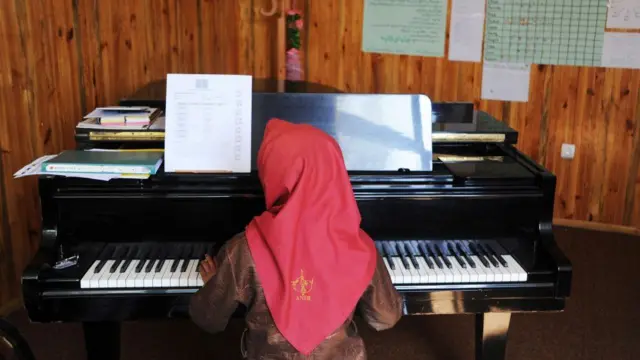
x=554, y=32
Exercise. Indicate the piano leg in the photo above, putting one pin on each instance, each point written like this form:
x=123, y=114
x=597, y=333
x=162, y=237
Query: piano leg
x=491, y=335
x=102, y=340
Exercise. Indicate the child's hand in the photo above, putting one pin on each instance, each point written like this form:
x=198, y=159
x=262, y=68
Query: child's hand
x=207, y=268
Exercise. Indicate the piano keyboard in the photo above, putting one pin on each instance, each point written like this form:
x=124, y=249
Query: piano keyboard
x=410, y=262
x=441, y=262
x=144, y=266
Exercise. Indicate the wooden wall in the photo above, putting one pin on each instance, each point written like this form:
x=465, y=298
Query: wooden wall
x=61, y=59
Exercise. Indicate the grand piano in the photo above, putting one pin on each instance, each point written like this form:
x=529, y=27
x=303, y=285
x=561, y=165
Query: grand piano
x=464, y=226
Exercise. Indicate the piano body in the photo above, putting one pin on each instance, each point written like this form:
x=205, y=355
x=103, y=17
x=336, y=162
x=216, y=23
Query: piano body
x=472, y=235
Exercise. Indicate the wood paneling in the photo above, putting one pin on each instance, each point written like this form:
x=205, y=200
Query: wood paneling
x=594, y=108
x=61, y=59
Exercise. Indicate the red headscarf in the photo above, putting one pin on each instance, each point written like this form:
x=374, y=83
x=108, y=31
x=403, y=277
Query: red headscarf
x=312, y=259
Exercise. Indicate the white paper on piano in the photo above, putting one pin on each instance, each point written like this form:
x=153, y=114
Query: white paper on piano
x=505, y=81
x=621, y=50
x=467, y=28
x=208, y=123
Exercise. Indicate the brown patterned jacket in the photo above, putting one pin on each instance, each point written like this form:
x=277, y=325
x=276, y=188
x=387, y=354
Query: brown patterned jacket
x=236, y=283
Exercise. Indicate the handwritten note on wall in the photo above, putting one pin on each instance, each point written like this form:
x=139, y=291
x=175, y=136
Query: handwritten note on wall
x=624, y=14
x=409, y=27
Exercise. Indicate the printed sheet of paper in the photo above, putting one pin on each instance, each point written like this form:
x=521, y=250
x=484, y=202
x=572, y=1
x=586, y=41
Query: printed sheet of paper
x=409, y=27
x=621, y=50
x=208, y=123
x=467, y=27
x=505, y=81
x=560, y=32
x=624, y=14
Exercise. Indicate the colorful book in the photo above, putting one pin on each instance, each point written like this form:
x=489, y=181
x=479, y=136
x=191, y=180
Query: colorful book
x=104, y=162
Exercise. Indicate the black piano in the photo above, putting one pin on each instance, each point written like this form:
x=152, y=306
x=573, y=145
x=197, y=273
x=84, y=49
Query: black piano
x=464, y=226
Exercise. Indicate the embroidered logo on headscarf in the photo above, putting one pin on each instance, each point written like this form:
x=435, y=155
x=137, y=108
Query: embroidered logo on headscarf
x=303, y=287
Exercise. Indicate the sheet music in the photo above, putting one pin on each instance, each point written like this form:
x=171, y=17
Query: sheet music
x=208, y=123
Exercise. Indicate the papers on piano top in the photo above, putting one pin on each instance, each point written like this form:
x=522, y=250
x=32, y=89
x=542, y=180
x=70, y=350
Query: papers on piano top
x=137, y=117
x=208, y=123
x=40, y=167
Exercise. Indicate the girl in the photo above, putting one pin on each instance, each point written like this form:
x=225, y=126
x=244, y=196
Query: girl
x=304, y=265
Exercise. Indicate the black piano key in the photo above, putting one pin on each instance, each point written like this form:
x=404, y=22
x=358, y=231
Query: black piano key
x=493, y=261
x=474, y=251
x=456, y=256
x=425, y=255
x=176, y=256
x=188, y=255
x=433, y=256
x=118, y=256
x=388, y=255
x=153, y=256
x=446, y=261
x=142, y=257
x=127, y=261
x=162, y=255
x=403, y=256
x=104, y=256
x=202, y=251
x=412, y=254
x=497, y=256
x=466, y=256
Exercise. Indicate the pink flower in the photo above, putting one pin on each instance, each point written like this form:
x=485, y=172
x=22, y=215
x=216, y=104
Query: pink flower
x=294, y=12
x=299, y=24
x=292, y=52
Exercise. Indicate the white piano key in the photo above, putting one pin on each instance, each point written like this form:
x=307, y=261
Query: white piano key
x=149, y=276
x=497, y=273
x=156, y=276
x=138, y=277
x=175, y=276
x=105, y=274
x=85, y=281
x=454, y=270
x=424, y=272
x=183, y=280
x=194, y=274
x=517, y=270
x=199, y=281
x=133, y=275
x=123, y=281
x=392, y=274
x=401, y=274
x=114, y=278
x=473, y=273
x=165, y=278
x=441, y=276
x=414, y=278
x=506, y=273
x=480, y=269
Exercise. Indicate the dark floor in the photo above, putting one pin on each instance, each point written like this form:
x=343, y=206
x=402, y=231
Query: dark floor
x=601, y=321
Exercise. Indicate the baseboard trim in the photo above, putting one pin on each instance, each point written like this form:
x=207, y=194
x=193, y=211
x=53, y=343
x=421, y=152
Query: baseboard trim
x=597, y=226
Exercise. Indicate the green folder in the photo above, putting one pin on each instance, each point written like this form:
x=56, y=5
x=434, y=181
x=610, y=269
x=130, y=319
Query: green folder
x=104, y=162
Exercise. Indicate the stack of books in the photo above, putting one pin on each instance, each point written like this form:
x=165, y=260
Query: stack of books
x=134, y=117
